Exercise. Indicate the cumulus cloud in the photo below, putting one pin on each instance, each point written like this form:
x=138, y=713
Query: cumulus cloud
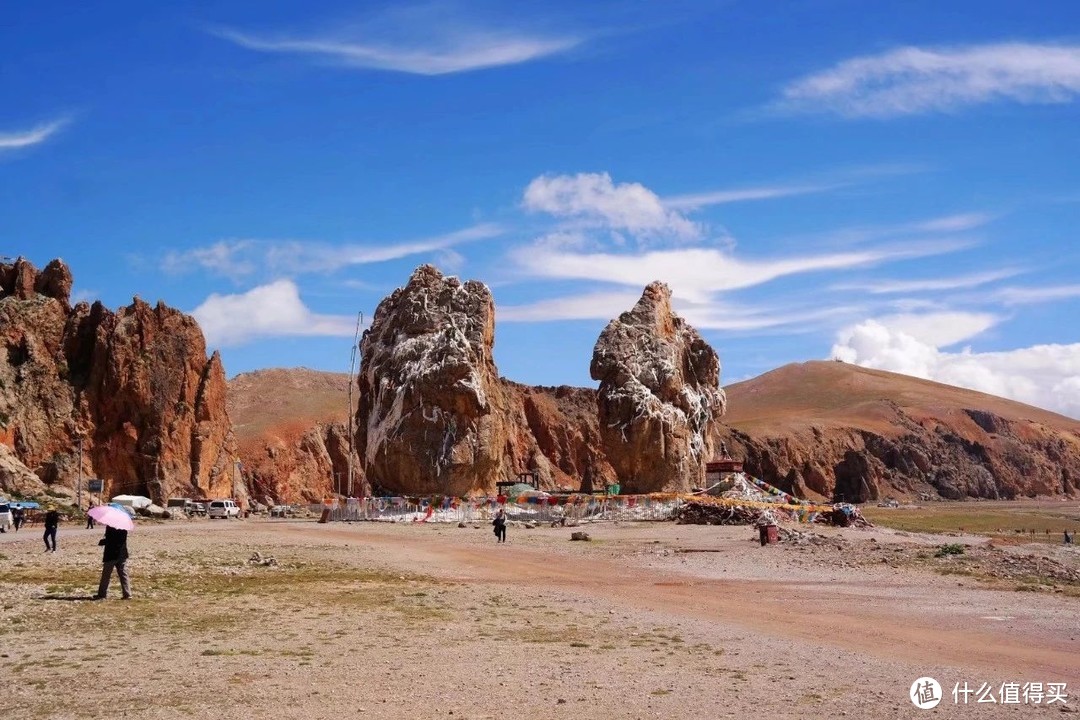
x=595, y=198
x=1046, y=376
x=421, y=40
x=913, y=80
x=273, y=310
x=33, y=136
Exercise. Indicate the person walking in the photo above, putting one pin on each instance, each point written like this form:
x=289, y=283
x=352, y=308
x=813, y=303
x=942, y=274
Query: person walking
x=500, y=526
x=115, y=555
x=17, y=517
x=89, y=517
x=52, y=524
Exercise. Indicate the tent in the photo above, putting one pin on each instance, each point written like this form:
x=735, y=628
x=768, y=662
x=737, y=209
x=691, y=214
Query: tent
x=25, y=504
x=134, y=501
x=125, y=508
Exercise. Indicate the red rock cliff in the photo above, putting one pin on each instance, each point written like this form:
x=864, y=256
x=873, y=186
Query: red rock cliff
x=135, y=385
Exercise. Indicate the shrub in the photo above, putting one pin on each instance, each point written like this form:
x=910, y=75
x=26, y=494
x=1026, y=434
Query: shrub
x=950, y=549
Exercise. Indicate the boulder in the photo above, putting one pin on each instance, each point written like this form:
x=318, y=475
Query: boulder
x=432, y=415
x=659, y=398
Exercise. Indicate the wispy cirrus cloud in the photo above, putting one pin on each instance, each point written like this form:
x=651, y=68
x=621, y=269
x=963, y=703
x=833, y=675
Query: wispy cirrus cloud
x=588, y=246
x=694, y=201
x=241, y=258
x=34, y=136
x=696, y=274
x=887, y=286
x=421, y=40
x=914, y=80
x=271, y=310
x=1035, y=295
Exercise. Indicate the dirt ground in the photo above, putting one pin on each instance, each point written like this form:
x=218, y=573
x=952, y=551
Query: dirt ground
x=647, y=620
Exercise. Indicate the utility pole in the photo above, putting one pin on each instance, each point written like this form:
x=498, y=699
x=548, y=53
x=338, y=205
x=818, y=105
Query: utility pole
x=79, y=492
x=352, y=371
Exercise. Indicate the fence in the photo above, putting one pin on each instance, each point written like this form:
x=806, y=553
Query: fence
x=554, y=509
x=747, y=496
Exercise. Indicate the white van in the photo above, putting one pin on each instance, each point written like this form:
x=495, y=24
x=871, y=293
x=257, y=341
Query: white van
x=224, y=509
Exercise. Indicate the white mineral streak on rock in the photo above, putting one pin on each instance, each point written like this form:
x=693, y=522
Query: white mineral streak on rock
x=659, y=396
x=432, y=414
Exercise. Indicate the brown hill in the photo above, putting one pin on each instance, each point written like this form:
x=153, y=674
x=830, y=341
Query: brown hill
x=822, y=429
x=292, y=429
x=833, y=429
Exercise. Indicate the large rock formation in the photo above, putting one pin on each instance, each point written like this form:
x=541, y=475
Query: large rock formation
x=432, y=415
x=135, y=386
x=292, y=430
x=659, y=396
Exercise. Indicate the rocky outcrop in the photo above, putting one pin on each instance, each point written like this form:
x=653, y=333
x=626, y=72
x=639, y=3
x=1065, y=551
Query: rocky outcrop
x=135, y=386
x=292, y=430
x=432, y=414
x=307, y=469
x=829, y=430
x=555, y=431
x=659, y=396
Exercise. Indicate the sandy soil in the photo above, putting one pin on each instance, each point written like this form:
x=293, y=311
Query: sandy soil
x=646, y=620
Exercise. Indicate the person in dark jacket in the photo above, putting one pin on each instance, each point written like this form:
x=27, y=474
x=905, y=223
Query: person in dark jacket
x=114, y=556
x=17, y=517
x=52, y=523
x=500, y=526
x=89, y=517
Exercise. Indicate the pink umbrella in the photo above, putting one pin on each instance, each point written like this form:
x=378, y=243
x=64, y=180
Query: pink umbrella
x=114, y=517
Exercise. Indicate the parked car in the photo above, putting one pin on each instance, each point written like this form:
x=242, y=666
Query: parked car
x=195, y=508
x=6, y=518
x=225, y=509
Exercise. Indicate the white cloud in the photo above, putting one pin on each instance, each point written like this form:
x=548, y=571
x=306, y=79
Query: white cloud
x=273, y=310
x=243, y=257
x=1046, y=376
x=230, y=258
x=1034, y=295
x=410, y=43
x=693, y=201
x=886, y=287
x=939, y=329
x=33, y=136
x=593, y=197
x=588, y=306
x=696, y=274
x=913, y=80
x=953, y=223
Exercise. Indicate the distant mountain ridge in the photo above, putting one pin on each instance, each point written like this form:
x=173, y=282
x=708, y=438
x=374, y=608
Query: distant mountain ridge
x=822, y=429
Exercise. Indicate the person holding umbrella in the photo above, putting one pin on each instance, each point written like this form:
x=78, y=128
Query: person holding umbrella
x=115, y=555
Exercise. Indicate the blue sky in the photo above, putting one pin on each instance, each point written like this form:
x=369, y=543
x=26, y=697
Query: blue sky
x=898, y=187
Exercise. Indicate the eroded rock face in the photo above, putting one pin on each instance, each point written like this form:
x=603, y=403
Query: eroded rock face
x=659, y=396
x=292, y=430
x=834, y=431
x=135, y=385
x=555, y=431
x=432, y=415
